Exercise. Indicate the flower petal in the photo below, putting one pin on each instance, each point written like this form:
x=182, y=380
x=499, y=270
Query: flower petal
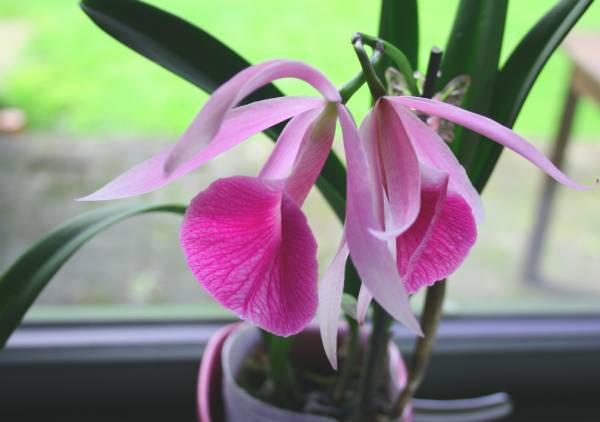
x=281, y=160
x=402, y=178
x=441, y=237
x=314, y=150
x=368, y=135
x=373, y=261
x=362, y=306
x=331, y=289
x=250, y=246
x=490, y=129
x=235, y=90
x=240, y=124
x=434, y=152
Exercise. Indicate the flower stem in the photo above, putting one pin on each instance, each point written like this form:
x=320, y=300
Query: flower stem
x=375, y=359
x=432, y=312
x=353, y=85
x=398, y=57
x=433, y=68
x=375, y=85
x=352, y=356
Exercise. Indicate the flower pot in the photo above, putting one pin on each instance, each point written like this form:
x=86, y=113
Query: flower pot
x=233, y=404
x=211, y=407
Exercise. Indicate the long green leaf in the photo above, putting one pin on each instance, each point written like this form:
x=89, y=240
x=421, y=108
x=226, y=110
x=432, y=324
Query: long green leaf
x=474, y=49
x=519, y=74
x=199, y=58
x=21, y=284
x=399, y=25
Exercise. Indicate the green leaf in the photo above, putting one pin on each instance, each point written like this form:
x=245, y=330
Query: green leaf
x=519, y=74
x=399, y=24
x=474, y=49
x=21, y=284
x=199, y=58
x=171, y=42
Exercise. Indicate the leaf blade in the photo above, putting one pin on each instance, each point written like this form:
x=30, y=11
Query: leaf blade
x=26, y=278
x=474, y=49
x=399, y=25
x=520, y=72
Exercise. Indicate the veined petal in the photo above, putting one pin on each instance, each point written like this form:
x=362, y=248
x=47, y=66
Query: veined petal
x=235, y=90
x=314, y=150
x=402, y=178
x=434, y=152
x=239, y=124
x=331, y=289
x=250, y=246
x=281, y=160
x=441, y=237
x=373, y=261
x=490, y=129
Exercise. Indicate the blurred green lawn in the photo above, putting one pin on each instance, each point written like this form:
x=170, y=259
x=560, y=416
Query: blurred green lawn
x=74, y=79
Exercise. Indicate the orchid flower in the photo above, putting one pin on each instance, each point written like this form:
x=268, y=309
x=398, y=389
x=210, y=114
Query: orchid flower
x=245, y=238
x=429, y=207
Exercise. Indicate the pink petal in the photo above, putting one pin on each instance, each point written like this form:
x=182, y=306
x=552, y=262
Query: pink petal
x=250, y=246
x=490, y=129
x=240, y=124
x=331, y=289
x=235, y=90
x=362, y=306
x=373, y=261
x=434, y=152
x=281, y=160
x=441, y=237
x=314, y=150
x=368, y=135
x=402, y=177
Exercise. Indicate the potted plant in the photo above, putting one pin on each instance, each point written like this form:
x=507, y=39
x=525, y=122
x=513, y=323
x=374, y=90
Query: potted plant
x=409, y=199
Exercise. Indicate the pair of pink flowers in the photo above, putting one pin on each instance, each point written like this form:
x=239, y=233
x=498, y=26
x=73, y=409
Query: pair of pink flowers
x=411, y=210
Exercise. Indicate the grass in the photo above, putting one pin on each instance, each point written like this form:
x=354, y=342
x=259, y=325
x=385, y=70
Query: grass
x=74, y=79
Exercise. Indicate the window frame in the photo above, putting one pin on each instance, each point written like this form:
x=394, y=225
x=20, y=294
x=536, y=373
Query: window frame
x=548, y=364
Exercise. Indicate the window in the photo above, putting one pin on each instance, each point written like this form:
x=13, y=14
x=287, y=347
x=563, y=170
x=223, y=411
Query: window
x=110, y=324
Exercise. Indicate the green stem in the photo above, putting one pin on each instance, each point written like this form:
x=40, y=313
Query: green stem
x=352, y=355
x=375, y=359
x=398, y=57
x=432, y=313
x=352, y=86
x=280, y=369
x=375, y=85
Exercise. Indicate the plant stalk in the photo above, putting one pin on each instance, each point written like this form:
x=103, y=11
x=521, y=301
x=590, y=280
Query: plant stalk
x=375, y=86
x=353, y=85
x=432, y=313
x=395, y=55
x=352, y=355
x=433, y=70
x=375, y=360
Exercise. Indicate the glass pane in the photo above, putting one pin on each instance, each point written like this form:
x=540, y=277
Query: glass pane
x=94, y=108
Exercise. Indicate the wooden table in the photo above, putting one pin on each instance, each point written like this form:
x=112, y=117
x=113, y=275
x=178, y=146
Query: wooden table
x=583, y=50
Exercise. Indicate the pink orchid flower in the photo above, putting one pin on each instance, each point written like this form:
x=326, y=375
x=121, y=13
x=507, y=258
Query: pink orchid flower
x=245, y=238
x=424, y=203
x=410, y=214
